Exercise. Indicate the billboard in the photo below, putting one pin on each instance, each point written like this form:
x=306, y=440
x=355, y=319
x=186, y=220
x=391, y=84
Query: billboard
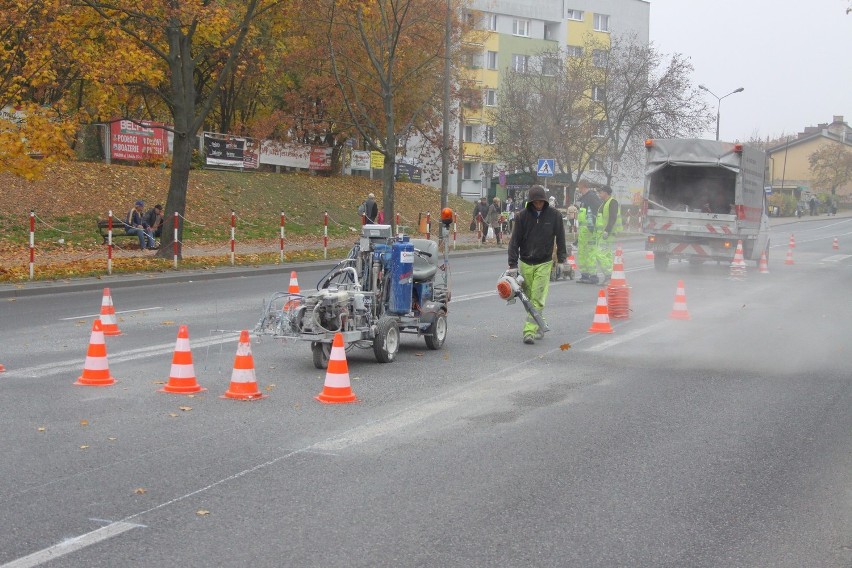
x=226, y=152
x=137, y=141
x=361, y=160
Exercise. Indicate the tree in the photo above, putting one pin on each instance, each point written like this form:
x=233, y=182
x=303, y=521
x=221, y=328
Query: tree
x=198, y=43
x=831, y=165
x=386, y=57
x=645, y=95
x=549, y=109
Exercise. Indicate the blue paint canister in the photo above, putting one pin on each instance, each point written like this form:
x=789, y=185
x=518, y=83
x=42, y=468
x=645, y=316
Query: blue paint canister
x=402, y=268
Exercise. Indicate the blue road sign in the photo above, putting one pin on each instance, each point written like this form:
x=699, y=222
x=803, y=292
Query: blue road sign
x=545, y=167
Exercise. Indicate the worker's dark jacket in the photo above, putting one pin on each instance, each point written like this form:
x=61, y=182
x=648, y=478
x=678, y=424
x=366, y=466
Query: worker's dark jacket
x=532, y=237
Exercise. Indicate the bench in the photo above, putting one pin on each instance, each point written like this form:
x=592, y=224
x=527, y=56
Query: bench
x=117, y=229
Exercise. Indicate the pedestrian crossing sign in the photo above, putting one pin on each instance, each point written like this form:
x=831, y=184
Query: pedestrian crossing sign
x=545, y=167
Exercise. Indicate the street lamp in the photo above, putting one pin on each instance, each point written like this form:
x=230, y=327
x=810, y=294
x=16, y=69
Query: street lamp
x=719, y=103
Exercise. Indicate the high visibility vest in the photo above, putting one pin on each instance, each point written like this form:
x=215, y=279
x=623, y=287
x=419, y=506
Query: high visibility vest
x=603, y=218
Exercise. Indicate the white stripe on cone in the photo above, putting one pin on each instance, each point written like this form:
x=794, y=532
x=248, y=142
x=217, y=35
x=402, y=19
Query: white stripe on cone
x=243, y=376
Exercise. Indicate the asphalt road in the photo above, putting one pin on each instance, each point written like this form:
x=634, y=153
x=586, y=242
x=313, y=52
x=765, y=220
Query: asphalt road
x=722, y=441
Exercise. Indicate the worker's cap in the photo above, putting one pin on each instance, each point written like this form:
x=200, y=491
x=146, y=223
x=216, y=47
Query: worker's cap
x=140, y=203
x=606, y=189
x=537, y=194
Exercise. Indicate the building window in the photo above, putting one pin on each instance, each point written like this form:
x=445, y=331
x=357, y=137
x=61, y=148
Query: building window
x=491, y=60
x=600, y=129
x=491, y=97
x=467, y=170
x=598, y=93
x=601, y=23
x=489, y=135
x=519, y=62
x=599, y=57
x=595, y=165
x=491, y=22
x=574, y=15
x=521, y=28
x=549, y=66
x=574, y=50
x=468, y=133
x=472, y=60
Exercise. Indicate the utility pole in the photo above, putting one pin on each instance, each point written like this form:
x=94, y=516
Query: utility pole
x=445, y=149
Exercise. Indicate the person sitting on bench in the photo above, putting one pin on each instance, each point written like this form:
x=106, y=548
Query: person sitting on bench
x=134, y=224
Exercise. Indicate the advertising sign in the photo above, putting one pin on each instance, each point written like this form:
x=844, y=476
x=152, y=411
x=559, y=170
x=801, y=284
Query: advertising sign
x=377, y=160
x=413, y=173
x=320, y=158
x=361, y=160
x=226, y=152
x=135, y=142
x=285, y=154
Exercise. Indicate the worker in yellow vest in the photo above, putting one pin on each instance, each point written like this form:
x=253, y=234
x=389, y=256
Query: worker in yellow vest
x=607, y=226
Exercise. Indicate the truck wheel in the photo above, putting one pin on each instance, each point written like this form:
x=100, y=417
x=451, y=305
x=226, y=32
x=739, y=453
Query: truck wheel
x=437, y=332
x=322, y=353
x=661, y=262
x=386, y=344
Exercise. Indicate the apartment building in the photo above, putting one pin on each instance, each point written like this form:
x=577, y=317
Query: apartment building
x=508, y=33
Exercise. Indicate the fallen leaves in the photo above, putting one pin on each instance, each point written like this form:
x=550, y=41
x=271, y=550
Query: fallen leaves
x=565, y=346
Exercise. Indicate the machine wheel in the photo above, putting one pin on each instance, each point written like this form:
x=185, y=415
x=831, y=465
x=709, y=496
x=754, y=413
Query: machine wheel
x=322, y=353
x=386, y=344
x=661, y=262
x=437, y=332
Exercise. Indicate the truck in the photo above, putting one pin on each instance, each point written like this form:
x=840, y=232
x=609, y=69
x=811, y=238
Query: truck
x=700, y=198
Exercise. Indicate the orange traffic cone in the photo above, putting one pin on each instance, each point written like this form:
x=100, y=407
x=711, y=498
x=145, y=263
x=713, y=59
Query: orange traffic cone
x=789, y=259
x=96, y=367
x=2, y=368
x=836, y=244
x=763, y=267
x=649, y=255
x=792, y=241
x=293, y=290
x=571, y=262
x=617, y=278
x=182, y=375
x=108, y=320
x=679, y=310
x=600, y=323
x=243, y=382
x=337, y=389
x=738, y=265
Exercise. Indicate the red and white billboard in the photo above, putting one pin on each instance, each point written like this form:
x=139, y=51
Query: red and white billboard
x=137, y=142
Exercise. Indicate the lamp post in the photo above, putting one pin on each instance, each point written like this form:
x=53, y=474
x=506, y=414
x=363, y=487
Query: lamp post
x=719, y=103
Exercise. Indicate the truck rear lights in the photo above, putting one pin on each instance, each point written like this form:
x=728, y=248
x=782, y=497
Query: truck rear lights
x=738, y=148
x=652, y=239
x=727, y=244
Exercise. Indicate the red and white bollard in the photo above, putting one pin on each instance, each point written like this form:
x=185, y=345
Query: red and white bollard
x=233, y=231
x=455, y=227
x=282, y=238
x=109, y=242
x=428, y=226
x=175, y=242
x=32, y=244
x=325, y=234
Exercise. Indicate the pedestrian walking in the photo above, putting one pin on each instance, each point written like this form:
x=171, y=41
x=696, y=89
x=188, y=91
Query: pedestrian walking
x=607, y=226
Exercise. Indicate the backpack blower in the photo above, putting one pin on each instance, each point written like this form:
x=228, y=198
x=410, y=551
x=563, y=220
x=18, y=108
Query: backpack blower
x=509, y=287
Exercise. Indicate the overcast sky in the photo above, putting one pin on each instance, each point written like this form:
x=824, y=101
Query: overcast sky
x=794, y=59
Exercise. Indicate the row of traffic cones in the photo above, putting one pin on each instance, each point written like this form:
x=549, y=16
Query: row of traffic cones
x=243, y=386
x=601, y=323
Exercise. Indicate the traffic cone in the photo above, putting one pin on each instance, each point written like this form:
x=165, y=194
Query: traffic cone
x=243, y=382
x=571, y=262
x=789, y=259
x=108, y=320
x=836, y=244
x=96, y=367
x=792, y=241
x=679, y=310
x=738, y=266
x=763, y=267
x=617, y=278
x=293, y=290
x=337, y=389
x=649, y=255
x=2, y=368
x=182, y=375
x=600, y=323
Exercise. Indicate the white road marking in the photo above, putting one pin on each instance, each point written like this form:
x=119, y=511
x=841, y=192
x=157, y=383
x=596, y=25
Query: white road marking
x=70, y=545
x=837, y=257
x=116, y=313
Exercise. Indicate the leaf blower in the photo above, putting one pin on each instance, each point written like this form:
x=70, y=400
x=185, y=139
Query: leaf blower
x=509, y=287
